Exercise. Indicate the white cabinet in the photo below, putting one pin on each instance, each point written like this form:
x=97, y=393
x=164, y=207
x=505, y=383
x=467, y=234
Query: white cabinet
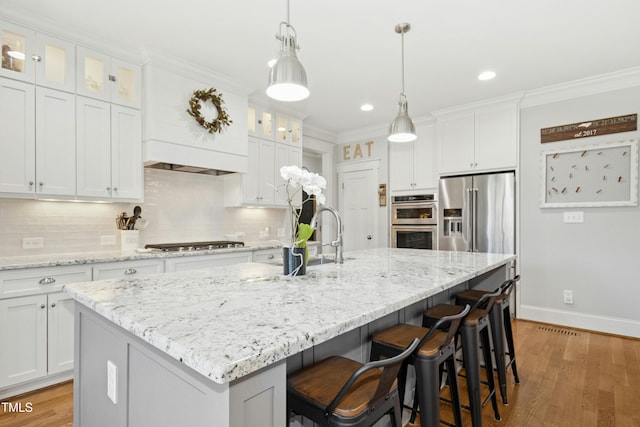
x=482, y=139
x=55, y=63
x=412, y=165
x=55, y=143
x=102, y=77
x=206, y=261
x=288, y=130
x=36, y=323
x=267, y=255
x=109, y=151
x=127, y=269
x=260, y=122
x=17, y=45
x=17, y=121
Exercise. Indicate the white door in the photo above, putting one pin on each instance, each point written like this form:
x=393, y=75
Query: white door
x=358, y=190
x=60, y=332
x=126, y=154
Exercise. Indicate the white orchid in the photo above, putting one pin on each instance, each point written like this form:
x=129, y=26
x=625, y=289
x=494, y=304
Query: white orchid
x=298, y=179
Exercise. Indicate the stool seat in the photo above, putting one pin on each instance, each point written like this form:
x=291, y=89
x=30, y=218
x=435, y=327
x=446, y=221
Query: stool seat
x=399, y=336
x=321, y=383
x=441, y=310
x=475, y=295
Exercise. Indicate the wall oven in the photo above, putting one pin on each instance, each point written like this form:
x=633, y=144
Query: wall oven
x=414, y=222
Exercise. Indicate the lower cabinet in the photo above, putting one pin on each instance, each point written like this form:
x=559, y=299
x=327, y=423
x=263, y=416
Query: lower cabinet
x=206, y=261
x=131, y=269
x=36, y=327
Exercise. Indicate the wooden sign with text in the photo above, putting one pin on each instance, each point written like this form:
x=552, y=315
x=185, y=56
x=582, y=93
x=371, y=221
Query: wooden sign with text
x=590, y=128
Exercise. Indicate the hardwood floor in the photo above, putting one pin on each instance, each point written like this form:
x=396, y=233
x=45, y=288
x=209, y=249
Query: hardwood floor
x=567, y=378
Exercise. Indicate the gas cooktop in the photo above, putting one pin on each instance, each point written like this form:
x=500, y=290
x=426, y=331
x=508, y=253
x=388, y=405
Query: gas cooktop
x=195, y=246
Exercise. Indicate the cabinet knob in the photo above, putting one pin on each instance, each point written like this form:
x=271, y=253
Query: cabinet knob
x=108, y=188
x=53, y=304
x=36, y=58
x=369, y=237
x=30, y=183
x=271, y=256
x=130, y=271
x=115, y=188
x=47, y=281
x=42, y=306
x=41, y=183
x=112, y=78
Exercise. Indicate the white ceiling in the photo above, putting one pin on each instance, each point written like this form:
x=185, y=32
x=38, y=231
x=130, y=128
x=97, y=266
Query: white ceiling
x=352, y=54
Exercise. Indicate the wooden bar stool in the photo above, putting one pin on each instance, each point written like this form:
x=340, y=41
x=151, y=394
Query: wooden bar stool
x=436, y=350
x=500, y=320
x=342, y=392
x=474, y=332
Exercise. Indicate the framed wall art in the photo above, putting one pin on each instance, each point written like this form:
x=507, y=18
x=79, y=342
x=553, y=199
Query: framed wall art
x=596, y=175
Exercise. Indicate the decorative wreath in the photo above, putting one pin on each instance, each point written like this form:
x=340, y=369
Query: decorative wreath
x=195, y=105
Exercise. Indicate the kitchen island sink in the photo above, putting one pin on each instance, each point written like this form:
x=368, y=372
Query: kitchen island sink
x=213, y=347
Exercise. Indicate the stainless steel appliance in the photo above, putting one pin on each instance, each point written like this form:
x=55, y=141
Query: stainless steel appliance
x=195, y=246
x=414, y=221
x=477, y=213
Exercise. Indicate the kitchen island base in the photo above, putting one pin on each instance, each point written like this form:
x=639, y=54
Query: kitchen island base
x=150, y=389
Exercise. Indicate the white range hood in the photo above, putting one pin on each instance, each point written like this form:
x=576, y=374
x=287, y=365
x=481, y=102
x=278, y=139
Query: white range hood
x=173, y=140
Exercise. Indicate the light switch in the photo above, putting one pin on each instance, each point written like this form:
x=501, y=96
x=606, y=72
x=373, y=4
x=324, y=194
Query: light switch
x=112, y=381
x=574, y=217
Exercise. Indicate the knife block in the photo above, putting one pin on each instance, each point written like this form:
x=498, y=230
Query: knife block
x=129, y=240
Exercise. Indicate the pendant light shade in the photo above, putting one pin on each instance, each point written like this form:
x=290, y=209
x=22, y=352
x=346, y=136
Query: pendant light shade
x=287, y=78
x=402, y=128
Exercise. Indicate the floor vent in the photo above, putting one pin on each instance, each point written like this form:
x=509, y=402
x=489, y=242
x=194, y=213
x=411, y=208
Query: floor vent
x=558, y=331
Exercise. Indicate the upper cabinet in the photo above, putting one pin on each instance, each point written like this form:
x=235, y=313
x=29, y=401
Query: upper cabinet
x=108, y=79
x=412, y=164
x=479, y=139
x=260, y=122
x=288, y=130
x=275, y=126
x=37, y=58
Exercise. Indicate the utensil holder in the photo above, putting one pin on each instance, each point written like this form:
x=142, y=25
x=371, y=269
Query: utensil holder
x=129, y=240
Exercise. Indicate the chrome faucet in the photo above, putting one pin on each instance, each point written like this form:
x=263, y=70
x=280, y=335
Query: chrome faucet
x=338, y=242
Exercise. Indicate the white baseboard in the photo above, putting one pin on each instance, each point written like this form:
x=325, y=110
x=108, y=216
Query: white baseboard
x=610, y=325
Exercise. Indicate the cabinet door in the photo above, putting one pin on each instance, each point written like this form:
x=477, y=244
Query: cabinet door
x=59, y=333
x=260, y=122
x=92, y=75
x=55, y=143
x=456, y=141
x=93, y=148
x=23, y=334
x=55, y=63
x=126, y=153
x=401, y=160
x=206, y=261
x=425, y=175
x=281, y=159
x=250, y=187
x=496, y=136
x=129, y=269
x=267, y=172
x=17, y=151
x=17, y=48
x=125, y=84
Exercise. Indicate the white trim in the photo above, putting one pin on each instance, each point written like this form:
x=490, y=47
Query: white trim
x=606, y=324
x=578, y=88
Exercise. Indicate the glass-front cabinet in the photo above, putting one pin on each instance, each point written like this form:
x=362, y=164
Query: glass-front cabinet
x=260, y=122
x=17, y=46
x=105, y=78
x=288, y=130
x=55, y=63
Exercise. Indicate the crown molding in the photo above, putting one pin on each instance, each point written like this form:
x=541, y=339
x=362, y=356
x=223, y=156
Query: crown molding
x=514, y=97
x=320, y=134
x=617, y=80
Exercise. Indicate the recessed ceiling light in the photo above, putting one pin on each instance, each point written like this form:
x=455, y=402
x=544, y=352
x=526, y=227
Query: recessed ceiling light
x=486, y=75
x=366, y=107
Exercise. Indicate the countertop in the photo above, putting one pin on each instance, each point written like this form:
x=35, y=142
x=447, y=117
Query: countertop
x=227, y=322
x=52, y=260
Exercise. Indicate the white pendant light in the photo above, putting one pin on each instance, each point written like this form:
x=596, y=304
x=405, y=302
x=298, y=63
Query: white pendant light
x=287, y=78
x=402, y=128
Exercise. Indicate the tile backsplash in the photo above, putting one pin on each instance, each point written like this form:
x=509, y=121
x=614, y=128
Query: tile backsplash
x=178, y=207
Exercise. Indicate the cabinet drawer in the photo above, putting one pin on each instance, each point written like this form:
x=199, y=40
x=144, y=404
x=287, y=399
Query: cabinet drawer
x=268, y=255
x=32, y=281
x=130, y=269
x=206, y=261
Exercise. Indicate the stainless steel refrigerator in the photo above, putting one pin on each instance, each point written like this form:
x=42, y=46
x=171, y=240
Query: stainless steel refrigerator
x=477, y=213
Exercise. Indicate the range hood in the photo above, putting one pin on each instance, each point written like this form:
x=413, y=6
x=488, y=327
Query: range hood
x=185, y=168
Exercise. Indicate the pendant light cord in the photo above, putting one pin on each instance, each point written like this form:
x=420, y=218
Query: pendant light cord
x=402, y=56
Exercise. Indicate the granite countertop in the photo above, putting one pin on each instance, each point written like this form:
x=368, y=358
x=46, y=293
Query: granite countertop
x=52, y=260
x=227, y=322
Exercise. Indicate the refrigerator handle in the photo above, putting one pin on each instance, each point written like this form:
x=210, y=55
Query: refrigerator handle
x=474, y=220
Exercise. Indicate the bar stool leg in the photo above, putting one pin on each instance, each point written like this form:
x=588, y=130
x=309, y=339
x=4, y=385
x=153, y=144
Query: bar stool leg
x=472, y=367
x=427, y=375
x=497, y=333
x=512, y=349
x=452, y=379
x=486, y=350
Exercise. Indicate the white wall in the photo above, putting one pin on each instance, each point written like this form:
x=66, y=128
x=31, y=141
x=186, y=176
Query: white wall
x=179, y=207
x=600, y=259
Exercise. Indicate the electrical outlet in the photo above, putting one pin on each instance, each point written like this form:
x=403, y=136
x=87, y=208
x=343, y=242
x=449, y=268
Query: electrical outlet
x=107, y=240
x=112, y=382
x=567, y=296
x=32, y=243
x=574, y=217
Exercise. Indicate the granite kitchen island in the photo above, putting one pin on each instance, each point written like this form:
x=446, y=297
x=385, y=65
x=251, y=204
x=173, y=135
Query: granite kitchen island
x=212, y=347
